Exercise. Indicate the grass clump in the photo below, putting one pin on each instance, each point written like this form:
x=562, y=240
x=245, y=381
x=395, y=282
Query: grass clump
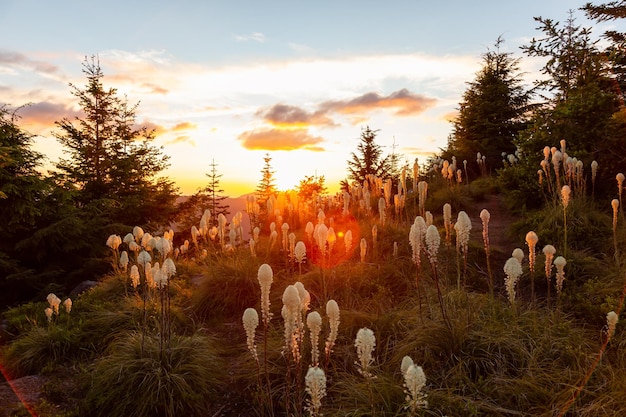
x=181, y=380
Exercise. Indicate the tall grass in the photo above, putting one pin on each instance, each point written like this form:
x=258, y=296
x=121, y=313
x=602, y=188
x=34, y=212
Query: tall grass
x=180, y=381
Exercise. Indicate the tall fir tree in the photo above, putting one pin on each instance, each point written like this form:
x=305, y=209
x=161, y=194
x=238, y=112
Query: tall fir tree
x=491, y=114
x=368, y=159
x=266, y=187
x=111, y=162
x=210, y=197
x=582, y=104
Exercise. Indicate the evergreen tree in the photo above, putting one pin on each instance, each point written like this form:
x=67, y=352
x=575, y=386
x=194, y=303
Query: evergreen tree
x=583, y=104
x=616, y=52
x=266, y=187
x=491, y=114
x=215, y=193
x=111, y=162
x=210, y=197
x=368, y=160
x=46, y=241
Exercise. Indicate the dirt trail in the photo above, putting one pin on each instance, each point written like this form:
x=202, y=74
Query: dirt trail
x=499, y=223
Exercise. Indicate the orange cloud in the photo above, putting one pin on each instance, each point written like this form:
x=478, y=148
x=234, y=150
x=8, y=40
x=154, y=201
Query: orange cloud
x=181, y=139
x=403, y=101
x=183, y=126
x=43, y=115
x=280, y=140
x=283, y=115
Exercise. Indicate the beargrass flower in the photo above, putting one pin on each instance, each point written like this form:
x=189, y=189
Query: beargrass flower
x=305, y=296
x=611, y=322
x=124, y=260
x=382, y=207
x=560, y=263
x=565, y=195
x=432, y=240
x=416, y=239
x=149, y=277
x=321, y=237
x=54, y=302
x=48, y=312
x=143, y=258
x=68, y=305
x=114, y=241
x=292, y=244
x=347, y=241
x=145, y=240
x=291, y=314
x=138, y=233
x=134, y=276
x=250, y=321
x=531, y=241
x=414, y=384
x=169, y=268
x=365, y=343
x=549, y=252
x=332, y=311
x=300, y=252
x=314, y=323
x=265, y=276
x=315, y=381
x=513, y=271
x=160, y=278
x=463, y=226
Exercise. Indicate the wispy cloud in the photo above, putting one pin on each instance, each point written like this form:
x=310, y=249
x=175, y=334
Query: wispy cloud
x=43, y=115
x=284, y=115
x=403, y=102
x=255, y=36
x=10, y=58
x=280, y=140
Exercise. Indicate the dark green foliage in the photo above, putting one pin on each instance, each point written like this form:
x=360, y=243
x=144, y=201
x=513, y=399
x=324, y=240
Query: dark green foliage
x=583, y=102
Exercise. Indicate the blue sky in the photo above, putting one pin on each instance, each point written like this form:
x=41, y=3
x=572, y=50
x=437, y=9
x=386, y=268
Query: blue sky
x=231, y=80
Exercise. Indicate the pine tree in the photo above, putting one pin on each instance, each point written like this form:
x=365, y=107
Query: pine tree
x=210, y=197
x=266, y=187
x=368, y=159
x=111, y=162
x=491, y=113
x=584, y=107
x=616, y=51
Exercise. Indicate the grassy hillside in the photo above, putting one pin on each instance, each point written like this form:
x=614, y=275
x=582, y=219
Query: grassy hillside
x=176, y=345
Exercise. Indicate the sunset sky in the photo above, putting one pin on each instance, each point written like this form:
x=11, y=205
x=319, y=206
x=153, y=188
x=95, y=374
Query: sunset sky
x=232, y=80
